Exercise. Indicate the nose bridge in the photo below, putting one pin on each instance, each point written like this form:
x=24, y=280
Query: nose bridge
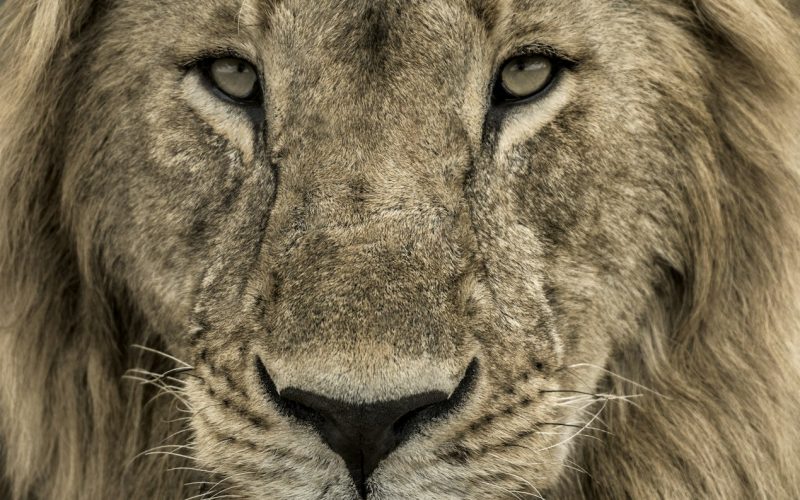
x=368, y=246
x=349, y=167
x=364, y=235
x=359, y=184
x=349, y=187
x=366, y=252
x=364, y=190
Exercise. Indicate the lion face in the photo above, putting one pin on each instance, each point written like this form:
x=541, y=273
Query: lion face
x=390, y=282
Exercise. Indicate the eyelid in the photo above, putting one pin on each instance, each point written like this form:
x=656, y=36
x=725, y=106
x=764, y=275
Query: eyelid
x=563, y=59
x=192, y=61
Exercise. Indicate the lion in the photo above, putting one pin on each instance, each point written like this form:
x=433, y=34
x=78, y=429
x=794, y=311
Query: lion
x=394, y=249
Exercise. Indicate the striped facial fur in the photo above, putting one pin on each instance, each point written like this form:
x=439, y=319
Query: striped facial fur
x=439, y=249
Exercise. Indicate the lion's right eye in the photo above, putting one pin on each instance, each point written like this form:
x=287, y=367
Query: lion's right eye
x=234, y=78
x=524, y=77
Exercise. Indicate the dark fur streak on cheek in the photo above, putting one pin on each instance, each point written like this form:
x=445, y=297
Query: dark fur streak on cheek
x=277, y=285
x=551, y=294
x=232, y=194
x=261, y=309
x=198, y=231
x=264, y=221
x=490, y=132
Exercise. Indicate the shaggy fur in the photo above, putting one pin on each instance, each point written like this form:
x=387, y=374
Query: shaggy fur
x=621, y=255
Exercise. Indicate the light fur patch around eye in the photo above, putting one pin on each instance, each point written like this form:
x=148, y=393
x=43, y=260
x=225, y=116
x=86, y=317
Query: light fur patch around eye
x=226, y=119
x=523, y=121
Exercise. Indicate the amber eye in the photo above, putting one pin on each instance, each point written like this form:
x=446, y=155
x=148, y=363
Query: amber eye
x=523, y=77
x=235, y=78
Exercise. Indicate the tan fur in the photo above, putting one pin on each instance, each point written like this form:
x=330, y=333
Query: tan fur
x=674, y=261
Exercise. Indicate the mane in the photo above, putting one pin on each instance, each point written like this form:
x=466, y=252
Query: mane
x=724, y=357
x=68, y=420
x=719, y=367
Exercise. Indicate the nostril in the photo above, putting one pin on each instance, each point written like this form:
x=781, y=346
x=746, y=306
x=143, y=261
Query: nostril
x=411, y=421
x=286, y=406
x=363, y=434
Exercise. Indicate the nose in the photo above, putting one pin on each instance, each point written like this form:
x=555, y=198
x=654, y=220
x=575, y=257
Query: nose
x=364, y=434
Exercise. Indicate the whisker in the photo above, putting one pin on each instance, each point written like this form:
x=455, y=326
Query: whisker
x=620, y=377
x=161, y=353
x=586, y=426
x=158, y=396
x=576, y=426
x=179, y=419
x=574, y=466
x=210, y=491
x=515, y=494
x=157, y=383
x=192, y=469
x=175, y=434
x=503, y=459
x=567, y=391
x=156, y=449
x=187, y=457
x=584, y=410
x=174, y=391
x=600, y=395
x=218, y=495
x=593, y=398
x=179, y=370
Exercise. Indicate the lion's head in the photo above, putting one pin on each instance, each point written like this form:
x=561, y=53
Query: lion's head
x=399, y=249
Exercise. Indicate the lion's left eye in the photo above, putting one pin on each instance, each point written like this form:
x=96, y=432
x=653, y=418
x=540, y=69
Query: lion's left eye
x=523, y=77
x=236, y=78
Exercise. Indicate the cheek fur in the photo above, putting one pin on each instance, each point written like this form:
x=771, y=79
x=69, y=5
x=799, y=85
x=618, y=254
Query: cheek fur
x=226, y=119
x=522, y=122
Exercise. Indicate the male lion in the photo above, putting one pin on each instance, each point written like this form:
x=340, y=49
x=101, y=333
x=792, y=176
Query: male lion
x=399, y=249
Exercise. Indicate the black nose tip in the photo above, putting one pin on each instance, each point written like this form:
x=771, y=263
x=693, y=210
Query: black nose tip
x=365, y=434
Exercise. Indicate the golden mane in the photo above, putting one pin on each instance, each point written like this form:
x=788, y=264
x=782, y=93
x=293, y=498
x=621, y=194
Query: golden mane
x=714, y=433
x=68, y=423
